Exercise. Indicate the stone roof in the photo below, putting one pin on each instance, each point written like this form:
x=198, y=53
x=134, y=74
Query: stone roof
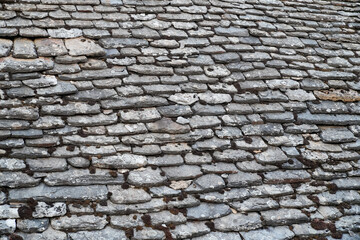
x=182, y=119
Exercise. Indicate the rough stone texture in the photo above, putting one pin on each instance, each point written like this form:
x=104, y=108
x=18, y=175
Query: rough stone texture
x=182, y=119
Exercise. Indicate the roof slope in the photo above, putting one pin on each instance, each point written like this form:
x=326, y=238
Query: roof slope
x=183, y=119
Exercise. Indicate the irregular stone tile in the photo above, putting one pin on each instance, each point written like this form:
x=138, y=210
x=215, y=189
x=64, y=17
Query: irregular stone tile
x=95, y=74
x=83, y=46
x=281, y=233
x=255, y=204
x=24, y=48
x=122, y=42
x=47, y=164
x=33, y=225
x=151, y=70
x=5, y=47
x=337, y=135
x=331, y=75
x=10, y=164
x=242, y=179
x=154, y=205
x=219, y=236
x=86, y=222
x=146, y=177
x=148, y=233
x=271, y=155
x=182, y=172
x=238, y=222
x=61, y=193
x=142, y=101
x=189, y=229
x=166, y=125
x=127, y=221
x=14, y=65
x=212, y=144
x=232, y=32
x=234, y=194
x=43, y=81
x=348, y=183
x=94, y=120
x=159, y=138
x=287, y=176
x=50, y=47
x=130, y=195
x=270, y=129
x=305, y=230
x=216, y=71
x=106, y=233
x=208, y=211
x=290, y=42
x=17, y=179
x=284, y=216
x=65, y=33
x=91, y=140
x=126, y=129
x=166, y=217
x=7, y=212
x=206, y=183
x=43, y=209
x=125, y=160
x=71, y=108
x=82, y=177
x=7, y=226
x=49, y=234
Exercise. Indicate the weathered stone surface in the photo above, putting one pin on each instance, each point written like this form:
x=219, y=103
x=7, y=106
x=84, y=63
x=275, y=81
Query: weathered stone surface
x=284, y=216
x=219, y=236
x=338, y=95
x=50, y=47
x=243, y=179
x=24, y=48
x=14, y=65
x=179, y=119
x=271, y=155
x=35, y=225
x=65, y=33
x=5, y=47
x=122, y=42
x=47, y=164
x=71, y=108
x=75, y=223
x=43, y=209
x=182, y=172
x=43, y=81
x=190, y=229
x=82, y=177
x=17, y=179
x=206, y=183
x=146, y=177
x=11, y=164
x=61, y=193
x=281, y=233
x=131, y=195
x=125, y=160
x=95, y=120
x=106, y=233
x=208, y=211
x=95, y=74
x=166, y=125
x=83, y=46
x=49, y=234
x=238, y=222
x=7, y=226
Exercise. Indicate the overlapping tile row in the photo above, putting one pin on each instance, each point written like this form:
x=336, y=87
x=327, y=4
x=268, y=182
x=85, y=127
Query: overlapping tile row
x=182, y=119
